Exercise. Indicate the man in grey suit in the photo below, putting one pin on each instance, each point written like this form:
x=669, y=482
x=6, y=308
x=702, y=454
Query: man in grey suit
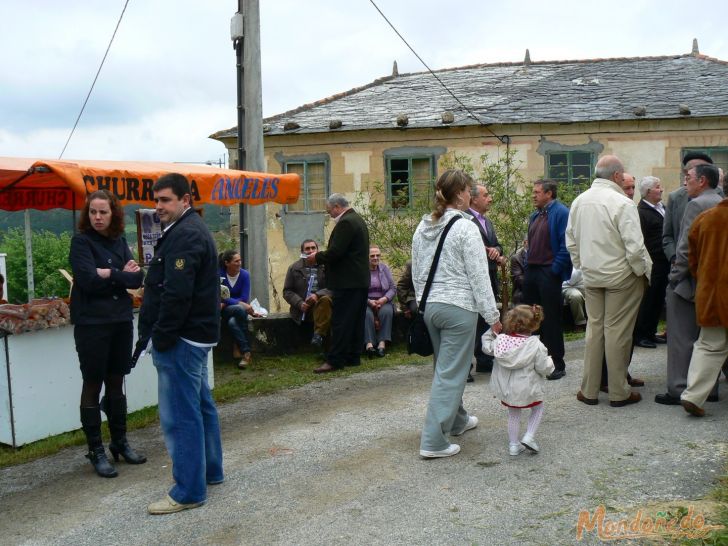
x=701, y=182
x=480, y=202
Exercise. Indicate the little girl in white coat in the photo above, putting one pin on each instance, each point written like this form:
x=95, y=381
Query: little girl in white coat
x=519, y=371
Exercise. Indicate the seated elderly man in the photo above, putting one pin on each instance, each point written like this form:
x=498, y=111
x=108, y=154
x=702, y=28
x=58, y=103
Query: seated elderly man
x=406, y=292
x=573, y=292
x=305, y=291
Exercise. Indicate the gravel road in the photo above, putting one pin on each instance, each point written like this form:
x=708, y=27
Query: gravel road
x=336, y=462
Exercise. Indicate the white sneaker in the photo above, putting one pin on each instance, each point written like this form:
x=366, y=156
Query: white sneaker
x=449, y=451
x=471, y=424
x=515, y=449
x=529, y=443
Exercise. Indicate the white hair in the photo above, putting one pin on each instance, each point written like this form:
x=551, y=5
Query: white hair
x=647, y=183
x=337, y=200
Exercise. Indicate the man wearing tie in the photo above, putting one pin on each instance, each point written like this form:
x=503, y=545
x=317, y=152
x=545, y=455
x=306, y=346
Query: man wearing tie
x=480, y=202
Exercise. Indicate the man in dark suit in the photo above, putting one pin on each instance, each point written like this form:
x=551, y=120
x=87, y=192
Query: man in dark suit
x=480, y=202
x=652, y=214
x=347, y=275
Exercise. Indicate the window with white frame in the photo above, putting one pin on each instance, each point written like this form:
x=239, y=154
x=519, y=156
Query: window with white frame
x=719, y=155
x=409, y=179
x=570, y=167
x=314, y=186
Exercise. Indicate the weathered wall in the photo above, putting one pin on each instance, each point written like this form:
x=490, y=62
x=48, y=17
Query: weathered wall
x=357, y=161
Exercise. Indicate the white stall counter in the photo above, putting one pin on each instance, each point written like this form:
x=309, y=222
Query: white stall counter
x=40, y=385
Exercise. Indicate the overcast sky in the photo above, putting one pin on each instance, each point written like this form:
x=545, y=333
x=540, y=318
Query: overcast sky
x=169, y=79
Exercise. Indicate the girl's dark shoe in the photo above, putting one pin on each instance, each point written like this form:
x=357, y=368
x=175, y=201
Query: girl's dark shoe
x=371, y=352
x=380, y=352
x=101, y=464
x=122, y=447
x=91, y=424
x=115, y=409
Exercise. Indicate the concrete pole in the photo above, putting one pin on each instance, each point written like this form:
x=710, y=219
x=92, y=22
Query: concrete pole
x=256, y=220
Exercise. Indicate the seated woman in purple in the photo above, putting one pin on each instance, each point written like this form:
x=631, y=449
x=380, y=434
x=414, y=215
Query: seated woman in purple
x=236, y=308
x=378, y=321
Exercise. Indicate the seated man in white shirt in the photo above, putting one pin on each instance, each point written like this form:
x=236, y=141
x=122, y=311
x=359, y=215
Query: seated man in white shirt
x=573, y=292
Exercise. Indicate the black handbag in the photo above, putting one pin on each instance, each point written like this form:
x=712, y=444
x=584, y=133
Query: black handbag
x=418, y=337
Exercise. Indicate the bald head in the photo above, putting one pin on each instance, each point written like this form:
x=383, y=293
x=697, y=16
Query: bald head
x=610, y=167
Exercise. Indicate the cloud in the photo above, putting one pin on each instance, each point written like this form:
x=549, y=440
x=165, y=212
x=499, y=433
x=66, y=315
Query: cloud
x=169, y=80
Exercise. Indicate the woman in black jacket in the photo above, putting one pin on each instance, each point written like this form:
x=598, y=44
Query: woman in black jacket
x=101, y=310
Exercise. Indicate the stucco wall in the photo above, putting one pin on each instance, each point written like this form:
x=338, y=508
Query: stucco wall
x=356, y=161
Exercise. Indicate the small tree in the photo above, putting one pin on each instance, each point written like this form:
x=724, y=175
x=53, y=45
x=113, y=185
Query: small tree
x=512, y=202
x=50, y=253
x=392, y=229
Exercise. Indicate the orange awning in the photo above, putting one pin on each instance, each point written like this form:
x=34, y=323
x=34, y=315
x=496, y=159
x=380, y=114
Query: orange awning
x=49, y=184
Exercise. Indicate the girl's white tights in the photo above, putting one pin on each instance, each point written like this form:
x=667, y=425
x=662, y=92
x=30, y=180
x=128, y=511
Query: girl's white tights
x=514, y=423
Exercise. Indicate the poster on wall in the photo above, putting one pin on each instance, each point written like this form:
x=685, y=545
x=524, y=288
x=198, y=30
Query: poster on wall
x=149, y=230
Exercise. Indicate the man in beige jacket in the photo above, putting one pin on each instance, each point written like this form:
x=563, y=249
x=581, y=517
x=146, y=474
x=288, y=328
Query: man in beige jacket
x=605, y=241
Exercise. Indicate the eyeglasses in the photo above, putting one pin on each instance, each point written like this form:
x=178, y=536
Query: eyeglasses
x=375, y=255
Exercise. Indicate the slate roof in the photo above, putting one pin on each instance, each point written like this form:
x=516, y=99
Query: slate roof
x=509, y=93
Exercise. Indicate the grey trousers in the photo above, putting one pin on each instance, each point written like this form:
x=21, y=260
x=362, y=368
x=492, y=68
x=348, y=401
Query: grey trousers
x=684, y=331
x=452, y=330
x=385, y=314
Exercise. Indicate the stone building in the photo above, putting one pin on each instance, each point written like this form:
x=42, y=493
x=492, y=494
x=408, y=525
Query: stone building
x=556, y=116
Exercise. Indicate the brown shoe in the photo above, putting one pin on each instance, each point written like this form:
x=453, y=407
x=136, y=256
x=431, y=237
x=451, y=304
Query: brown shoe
x=692, y=409
x=247, y=359
x=633, y=398
x=635, y=382
x=325, y=368
x=236, y=351
x=588, y=401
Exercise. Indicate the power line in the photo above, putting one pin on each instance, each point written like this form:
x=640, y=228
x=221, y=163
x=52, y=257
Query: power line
x=94, y=82
x=502, y=139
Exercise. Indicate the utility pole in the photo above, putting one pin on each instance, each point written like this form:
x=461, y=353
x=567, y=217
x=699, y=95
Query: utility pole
x=253, y=219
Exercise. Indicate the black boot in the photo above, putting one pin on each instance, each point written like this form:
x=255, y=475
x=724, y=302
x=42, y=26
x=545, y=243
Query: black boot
x=115, y=410
x=91, y=424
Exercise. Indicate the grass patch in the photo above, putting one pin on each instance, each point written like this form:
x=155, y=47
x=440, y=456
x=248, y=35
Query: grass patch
x=573, y=335
x=266, y=375
x=718, y=537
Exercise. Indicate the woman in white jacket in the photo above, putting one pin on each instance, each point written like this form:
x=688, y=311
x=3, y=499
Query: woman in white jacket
x=519, y=372
x=460, y=290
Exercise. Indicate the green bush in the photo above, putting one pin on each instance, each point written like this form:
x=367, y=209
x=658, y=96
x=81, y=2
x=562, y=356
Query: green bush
x=50, y=253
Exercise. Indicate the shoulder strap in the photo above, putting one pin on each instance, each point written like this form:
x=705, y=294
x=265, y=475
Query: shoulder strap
x=433, y=267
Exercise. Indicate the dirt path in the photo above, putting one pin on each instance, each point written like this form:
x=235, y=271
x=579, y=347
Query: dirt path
x=336, y=463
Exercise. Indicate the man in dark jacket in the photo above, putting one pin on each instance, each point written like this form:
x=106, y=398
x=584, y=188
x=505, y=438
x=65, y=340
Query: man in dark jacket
x=347, y=272
x=652, y=217
x=549, y=264
x=305, y=291
x=180, y=314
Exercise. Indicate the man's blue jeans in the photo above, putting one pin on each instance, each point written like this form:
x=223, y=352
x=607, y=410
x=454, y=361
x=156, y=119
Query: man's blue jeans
x=189, y=421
